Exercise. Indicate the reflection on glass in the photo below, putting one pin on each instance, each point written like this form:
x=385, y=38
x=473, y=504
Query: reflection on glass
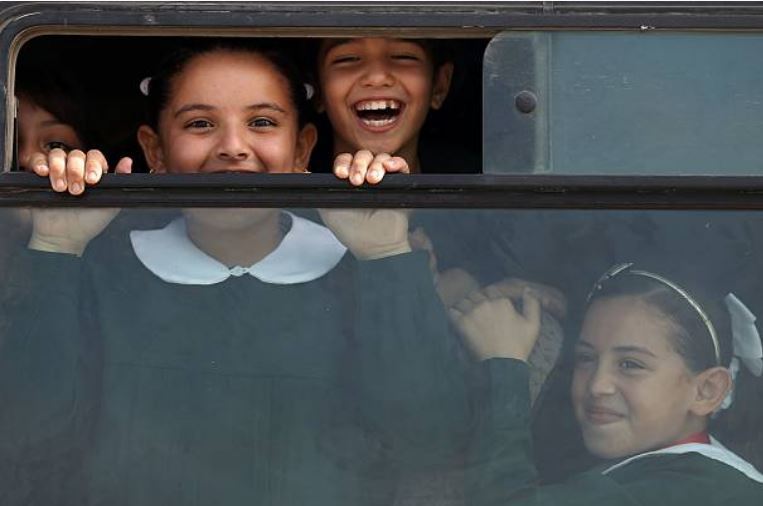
x=227, y=356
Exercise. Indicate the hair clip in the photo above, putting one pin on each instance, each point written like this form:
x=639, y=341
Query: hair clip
x=309, y=91
x=144, y=86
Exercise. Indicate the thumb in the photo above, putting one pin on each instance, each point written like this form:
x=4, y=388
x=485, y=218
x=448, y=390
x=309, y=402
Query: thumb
x=531, y=308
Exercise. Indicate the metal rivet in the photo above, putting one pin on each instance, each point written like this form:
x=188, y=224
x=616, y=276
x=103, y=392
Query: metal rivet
x=526, y=102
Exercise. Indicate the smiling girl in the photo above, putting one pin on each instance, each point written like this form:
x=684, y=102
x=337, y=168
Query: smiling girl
x=234, y=356
x=655, y=367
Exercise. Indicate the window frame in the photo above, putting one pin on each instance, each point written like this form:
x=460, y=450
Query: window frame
x=20, y=21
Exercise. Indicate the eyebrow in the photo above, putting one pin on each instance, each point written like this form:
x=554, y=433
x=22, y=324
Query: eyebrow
x=634, y=349
x=206, y=107
x=621, y=349
x=330, y=44
x=52, y=122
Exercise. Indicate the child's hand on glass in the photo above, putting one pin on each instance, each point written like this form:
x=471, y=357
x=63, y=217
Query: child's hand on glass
x=370, y=233
x=497, y=327
x=74, y=170
x=365, y=167
x=70, y=230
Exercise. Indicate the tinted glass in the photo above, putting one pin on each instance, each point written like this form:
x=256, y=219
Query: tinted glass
x=176, y=363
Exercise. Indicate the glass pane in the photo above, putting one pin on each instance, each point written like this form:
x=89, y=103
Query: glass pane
x=257, y=356
x=623, y=103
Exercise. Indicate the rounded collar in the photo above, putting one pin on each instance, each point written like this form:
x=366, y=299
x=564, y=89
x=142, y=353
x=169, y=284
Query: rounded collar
x=307, y=252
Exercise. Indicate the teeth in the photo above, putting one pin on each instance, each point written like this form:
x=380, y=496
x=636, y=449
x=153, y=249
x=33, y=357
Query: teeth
x=378, y=122
x=375, y=105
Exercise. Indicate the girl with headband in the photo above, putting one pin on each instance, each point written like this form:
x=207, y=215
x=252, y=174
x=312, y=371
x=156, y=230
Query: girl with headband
x=655, y=368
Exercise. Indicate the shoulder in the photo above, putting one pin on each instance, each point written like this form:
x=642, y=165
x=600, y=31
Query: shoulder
x=692, y=477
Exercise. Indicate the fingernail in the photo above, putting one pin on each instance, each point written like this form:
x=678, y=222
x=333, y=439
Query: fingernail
x=376, y=173
x=76, y=187
x=41, y=168
x=356, y=179
x=91, y=177
x=59, y=185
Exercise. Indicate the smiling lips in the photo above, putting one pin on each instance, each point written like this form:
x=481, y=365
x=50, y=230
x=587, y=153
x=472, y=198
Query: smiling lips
x=378, y=114
x=598, y=415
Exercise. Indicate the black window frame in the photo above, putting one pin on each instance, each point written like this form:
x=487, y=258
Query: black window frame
x=21, y=20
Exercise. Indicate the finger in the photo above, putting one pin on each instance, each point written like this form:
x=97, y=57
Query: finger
x=551, y=299
x=376, y=170
x=477, y=297
x=495, y=292
x=510, y=287
x=95, y=166
x=38, y=162
x=342, y=165
x=359, y=166
x=464, y=306
x=397, y=164
x=75, y=171
x=531, y=309
x=57, y=166
x=124, y=166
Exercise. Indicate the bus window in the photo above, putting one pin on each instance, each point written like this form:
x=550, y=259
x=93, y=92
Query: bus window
x=623, y=103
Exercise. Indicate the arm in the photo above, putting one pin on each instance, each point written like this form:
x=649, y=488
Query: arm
x=46, y=378
x=406, y=364
x=411, y=375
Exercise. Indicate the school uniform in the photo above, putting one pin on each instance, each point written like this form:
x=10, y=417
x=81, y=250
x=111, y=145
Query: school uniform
x=307, y=378
x=502, y=472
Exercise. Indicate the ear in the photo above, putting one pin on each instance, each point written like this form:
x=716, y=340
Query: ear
x=712, y=385
x=306, y=140
x=152, y=149
x=441, y=85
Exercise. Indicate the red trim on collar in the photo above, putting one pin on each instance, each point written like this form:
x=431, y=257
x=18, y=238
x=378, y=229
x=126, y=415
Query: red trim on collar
x=697, y=437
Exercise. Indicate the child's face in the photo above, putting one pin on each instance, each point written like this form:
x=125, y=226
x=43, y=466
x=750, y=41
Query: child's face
x=631, y=391
x=228, y=112
x=39, y=132
x=377, y=93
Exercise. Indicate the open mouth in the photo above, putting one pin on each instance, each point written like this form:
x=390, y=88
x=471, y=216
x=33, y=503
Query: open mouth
x=378, y=113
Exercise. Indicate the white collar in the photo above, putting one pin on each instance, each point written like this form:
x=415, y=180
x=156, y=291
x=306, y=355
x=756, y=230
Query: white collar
x=307, y=252
x=715, y=450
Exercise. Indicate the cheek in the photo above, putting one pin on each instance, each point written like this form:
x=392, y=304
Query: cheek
x=278, y=152
x=184, y=154
x=577, y=389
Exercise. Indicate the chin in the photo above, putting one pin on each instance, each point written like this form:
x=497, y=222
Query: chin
x=229, y=218
x=607, y=446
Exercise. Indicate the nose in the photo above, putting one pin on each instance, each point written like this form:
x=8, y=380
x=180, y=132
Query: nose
x=601, y=383
x=377, y=73
x=234, y=145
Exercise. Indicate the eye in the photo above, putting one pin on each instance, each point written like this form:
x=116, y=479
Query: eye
x=344, y=58
x=630, y=365
x=262, y=123
x=406, y=57
x=199, y=124
x=49, y=146
x=583, y=358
